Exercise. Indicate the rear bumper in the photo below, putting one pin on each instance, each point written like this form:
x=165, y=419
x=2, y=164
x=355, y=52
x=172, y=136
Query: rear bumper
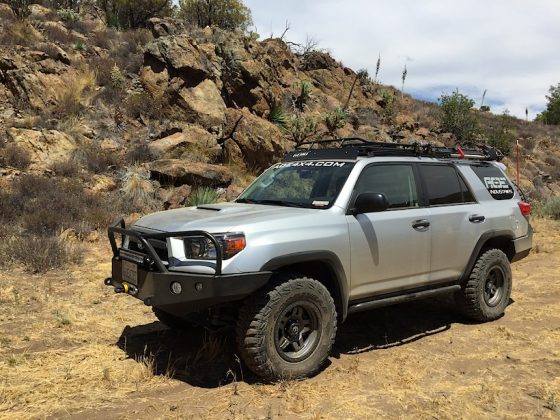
x=198, y=291
x=523, y=245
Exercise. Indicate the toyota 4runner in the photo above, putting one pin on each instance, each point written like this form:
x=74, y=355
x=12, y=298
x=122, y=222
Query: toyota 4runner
x=330, y=231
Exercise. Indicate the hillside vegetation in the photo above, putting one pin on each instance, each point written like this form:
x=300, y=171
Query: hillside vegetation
x=98, y=122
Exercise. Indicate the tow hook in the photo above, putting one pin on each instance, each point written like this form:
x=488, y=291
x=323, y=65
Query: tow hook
x=122, y=287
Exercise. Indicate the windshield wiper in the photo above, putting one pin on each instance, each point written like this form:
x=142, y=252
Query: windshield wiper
x=245, y=200
x=276, y=202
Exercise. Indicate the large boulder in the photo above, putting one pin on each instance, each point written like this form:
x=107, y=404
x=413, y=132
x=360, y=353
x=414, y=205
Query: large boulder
x=192, y=137
x=256, y=142
x=183, y=58
x=44, y=147
x=203, y=104
x=180, y=172
x=35, y=76
x=178, y=197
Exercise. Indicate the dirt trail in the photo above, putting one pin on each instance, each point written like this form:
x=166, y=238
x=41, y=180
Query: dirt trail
x=70, y=348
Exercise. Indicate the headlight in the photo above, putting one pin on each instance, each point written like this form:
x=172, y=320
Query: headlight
x=201, y=248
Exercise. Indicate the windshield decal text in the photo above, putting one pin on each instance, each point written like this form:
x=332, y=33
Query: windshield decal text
x=323, y=163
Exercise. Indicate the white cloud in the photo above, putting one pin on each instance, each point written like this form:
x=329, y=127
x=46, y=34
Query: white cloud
x=509, y=47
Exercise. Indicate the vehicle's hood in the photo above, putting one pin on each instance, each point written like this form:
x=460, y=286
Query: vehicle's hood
x=217, y=218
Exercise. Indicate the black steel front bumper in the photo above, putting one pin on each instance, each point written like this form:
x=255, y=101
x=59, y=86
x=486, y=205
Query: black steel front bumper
x=154, y=281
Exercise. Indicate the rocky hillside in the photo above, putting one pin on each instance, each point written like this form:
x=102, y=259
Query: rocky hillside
x=154, y=114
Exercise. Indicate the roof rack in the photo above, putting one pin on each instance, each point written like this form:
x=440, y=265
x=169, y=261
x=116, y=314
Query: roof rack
x=353, y=147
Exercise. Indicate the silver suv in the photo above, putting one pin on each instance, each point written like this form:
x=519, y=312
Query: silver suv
x=328, y=232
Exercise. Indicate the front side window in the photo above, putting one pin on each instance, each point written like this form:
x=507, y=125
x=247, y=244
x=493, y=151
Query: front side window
x=310, y=184
x=444, y=186
x=395, y=181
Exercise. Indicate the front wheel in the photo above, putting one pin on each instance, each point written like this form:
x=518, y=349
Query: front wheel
x=287, y=330
x=486, y=293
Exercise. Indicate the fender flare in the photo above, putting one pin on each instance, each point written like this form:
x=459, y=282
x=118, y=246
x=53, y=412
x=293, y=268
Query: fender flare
x=485, y=237
x=326, y=257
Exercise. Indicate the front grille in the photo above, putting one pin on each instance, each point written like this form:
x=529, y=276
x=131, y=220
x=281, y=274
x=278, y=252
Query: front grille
x=159, y=246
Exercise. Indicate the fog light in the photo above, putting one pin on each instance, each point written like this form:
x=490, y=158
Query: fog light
x=176, y=287
x=198, y=287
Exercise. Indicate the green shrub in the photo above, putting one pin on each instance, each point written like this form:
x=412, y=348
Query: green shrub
x=202, y=196
x=128, y=14
x=301, y=127
x=226, y=14
x=457, y=117
x=388, y=105
x=20, y=8
x=68, y=15
x=336, y=119
x=502, y=135
x=551, y=115
x=549, y=208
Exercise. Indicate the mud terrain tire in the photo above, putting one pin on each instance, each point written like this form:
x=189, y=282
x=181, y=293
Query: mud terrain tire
x=286, y=331
x=486, y=293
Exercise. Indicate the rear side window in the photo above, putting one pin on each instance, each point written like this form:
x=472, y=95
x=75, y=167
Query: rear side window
x=495, y=181
x=395, y=181
x=444, y=186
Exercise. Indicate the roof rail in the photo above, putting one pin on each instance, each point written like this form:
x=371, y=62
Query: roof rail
x=352, y=147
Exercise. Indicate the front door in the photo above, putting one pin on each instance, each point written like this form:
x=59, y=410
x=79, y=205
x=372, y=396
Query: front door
x=390, y=249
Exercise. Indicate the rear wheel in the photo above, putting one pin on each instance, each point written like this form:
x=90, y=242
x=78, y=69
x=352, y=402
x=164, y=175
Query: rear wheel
x=287, y=330
x=486, y=293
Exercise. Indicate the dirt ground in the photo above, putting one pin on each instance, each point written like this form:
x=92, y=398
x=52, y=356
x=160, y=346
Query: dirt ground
x=71, y=348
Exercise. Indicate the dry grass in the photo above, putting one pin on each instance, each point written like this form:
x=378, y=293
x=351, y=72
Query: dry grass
x=58, y=356
x=13, y=155
x=77, y=94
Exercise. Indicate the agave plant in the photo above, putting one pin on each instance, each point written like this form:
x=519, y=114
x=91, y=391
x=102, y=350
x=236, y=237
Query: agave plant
x=201, y=196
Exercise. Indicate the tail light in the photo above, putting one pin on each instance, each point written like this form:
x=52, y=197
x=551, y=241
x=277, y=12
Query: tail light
x=525, y=208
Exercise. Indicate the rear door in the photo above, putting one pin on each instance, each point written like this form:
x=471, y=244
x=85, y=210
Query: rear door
x=390, y=249
x=457, y=220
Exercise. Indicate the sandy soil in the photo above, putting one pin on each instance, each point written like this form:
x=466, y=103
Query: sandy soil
x=71, y=348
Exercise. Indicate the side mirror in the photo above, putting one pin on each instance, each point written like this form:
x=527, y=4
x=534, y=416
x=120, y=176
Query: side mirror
x=370, y=203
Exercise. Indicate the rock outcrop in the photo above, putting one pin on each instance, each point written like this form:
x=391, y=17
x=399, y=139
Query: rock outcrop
x=179, y=172
x=44, y=147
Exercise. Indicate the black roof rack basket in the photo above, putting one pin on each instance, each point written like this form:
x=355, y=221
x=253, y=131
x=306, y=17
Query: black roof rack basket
x=352, y=147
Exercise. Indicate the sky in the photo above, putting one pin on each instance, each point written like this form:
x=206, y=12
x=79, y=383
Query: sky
x=511, y=48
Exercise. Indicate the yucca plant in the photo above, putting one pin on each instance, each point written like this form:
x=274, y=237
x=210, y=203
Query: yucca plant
x=303, y=95
x=201, y=196
x=403, y=78
x=277, y=116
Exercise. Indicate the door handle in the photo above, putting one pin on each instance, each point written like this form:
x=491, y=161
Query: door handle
x=420, y=224
x=477, y=218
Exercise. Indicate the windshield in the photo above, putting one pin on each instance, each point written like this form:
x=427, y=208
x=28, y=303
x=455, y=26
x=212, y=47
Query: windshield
x=309, y=184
